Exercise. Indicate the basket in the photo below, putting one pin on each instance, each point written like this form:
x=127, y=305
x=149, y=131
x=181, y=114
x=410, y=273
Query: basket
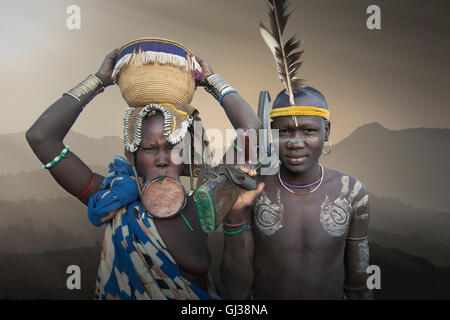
x=154, y=70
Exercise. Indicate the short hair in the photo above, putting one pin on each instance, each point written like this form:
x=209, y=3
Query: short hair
x=298, y=93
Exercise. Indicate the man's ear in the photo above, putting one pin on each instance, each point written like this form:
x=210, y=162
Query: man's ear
x=327, y=130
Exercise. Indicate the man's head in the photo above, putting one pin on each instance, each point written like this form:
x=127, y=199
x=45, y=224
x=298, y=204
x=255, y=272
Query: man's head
x=156, y=156
x=301, y=138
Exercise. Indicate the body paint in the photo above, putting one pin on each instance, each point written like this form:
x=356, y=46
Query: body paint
x=362, y=202
x=269, y=215
x=355, y=191
x=335, y=216
x=363, y=252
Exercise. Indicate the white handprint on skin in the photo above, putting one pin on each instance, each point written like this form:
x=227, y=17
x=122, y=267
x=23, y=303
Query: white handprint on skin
x=269, y=215
x=335, y=216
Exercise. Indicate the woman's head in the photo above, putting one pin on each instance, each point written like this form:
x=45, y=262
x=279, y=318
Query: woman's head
x=155, y=155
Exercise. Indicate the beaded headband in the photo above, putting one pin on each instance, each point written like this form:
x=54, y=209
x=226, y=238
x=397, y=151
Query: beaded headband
x=300, y=111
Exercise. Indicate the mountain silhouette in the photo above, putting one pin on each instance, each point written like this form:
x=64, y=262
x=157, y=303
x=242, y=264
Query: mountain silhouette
x=393, y=216
x=408, y=164
x=36, y=184
x=18, y=157
x=43, y=275
x=36, y=225
x=32, y=201
x=437, y=252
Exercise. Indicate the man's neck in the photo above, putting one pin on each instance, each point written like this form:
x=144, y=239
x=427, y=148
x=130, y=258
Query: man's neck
x=301, y=178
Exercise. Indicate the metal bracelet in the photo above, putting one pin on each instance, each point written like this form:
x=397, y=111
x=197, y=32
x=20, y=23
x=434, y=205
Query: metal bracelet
x=91, y=84
x=356, y=239
x=217, y=86
x=209, y=89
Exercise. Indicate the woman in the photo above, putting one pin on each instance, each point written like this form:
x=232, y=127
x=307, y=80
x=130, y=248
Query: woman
x=143, y=257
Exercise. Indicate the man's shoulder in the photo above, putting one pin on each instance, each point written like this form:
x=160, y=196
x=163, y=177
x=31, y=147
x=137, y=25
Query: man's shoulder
x=344, y=178
x=338, y=175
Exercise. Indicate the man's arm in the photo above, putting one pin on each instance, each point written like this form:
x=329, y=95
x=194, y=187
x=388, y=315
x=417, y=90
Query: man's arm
x=357, y=250
x=236, y=270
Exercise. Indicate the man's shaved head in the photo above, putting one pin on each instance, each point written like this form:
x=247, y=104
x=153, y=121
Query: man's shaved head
x=305, y=96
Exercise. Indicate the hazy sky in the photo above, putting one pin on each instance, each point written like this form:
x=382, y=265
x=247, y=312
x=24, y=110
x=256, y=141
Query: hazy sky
x=398, y=76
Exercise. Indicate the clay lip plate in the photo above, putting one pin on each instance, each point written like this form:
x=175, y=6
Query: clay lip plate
x=163, y=197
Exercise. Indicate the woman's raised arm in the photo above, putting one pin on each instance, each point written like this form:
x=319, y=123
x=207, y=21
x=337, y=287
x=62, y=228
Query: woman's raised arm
x=46, y=135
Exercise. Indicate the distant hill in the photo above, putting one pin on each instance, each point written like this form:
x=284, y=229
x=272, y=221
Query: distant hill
x=37, y=184
x=61, y=223
x=34, y=225
x=410, y=164
x=17, y=155
x=405, y=276
x=393, y=216
x=436, y=252
x=43, y=275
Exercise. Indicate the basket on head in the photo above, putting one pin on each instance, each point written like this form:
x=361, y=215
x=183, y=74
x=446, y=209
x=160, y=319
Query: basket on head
x=154, y=70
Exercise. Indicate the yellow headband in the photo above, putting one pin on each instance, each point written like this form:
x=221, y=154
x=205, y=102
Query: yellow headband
x=300, y=111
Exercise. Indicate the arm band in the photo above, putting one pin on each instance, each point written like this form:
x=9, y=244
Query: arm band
x=357, y=239
x=90, y=185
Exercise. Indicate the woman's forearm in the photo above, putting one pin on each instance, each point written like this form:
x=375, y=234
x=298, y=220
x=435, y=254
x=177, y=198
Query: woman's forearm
x=57, y=120
x=54, y=124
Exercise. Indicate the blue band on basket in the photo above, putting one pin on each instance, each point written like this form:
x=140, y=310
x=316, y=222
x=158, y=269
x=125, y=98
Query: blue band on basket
x=223, y=95
x=153, y=46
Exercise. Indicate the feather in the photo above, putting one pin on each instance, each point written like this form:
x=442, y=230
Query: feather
x=286, y=56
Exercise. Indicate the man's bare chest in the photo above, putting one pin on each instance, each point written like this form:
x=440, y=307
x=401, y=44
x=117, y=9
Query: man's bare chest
x=314, y=219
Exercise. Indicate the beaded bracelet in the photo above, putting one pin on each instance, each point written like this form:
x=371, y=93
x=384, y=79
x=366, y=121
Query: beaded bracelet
x=245, y=226
x=57, y=159
x=233, y=232
x=224, y=94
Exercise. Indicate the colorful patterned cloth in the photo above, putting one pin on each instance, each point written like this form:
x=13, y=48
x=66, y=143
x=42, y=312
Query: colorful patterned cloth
x=135, y=262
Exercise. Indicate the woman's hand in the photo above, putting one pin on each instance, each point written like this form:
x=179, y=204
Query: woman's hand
x=207, y=70
x=107, y=68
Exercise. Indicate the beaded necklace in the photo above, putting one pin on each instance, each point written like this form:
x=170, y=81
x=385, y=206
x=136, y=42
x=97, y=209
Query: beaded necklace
x=302, y=193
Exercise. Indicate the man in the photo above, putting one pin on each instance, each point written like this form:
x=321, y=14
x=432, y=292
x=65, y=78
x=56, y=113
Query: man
x=309, y=236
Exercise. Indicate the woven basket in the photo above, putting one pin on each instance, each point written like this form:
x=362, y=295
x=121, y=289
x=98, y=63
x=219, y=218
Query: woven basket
x=143, y=83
